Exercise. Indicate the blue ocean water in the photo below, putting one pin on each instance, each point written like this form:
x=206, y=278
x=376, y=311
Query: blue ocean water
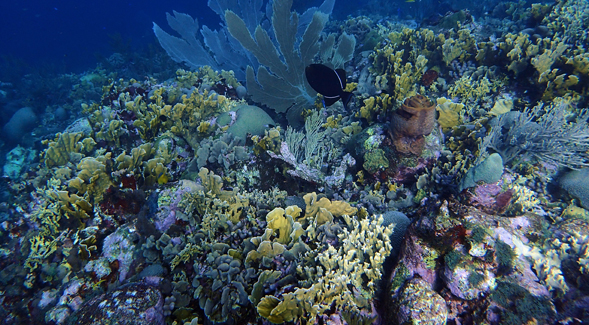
x=69, y=34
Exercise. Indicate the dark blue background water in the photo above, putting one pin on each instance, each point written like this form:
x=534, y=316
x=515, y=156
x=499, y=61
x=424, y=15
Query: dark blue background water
x=70, y=33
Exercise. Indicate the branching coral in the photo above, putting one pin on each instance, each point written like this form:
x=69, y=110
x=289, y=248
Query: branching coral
x=460, y=49
x=345, y=277
x=569, y=20
x=187, y=115
x=396, y=76
x=376, y=105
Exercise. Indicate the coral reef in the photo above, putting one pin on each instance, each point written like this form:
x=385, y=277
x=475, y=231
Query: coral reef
x=177, y=201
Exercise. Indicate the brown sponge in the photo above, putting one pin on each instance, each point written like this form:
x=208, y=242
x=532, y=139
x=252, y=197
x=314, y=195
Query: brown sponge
x=411, y=122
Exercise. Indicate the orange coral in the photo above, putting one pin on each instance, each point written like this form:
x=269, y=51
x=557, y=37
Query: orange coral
x=411, y=122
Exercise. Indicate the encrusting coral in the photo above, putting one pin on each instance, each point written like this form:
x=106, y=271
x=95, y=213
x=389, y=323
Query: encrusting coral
x=411, y=122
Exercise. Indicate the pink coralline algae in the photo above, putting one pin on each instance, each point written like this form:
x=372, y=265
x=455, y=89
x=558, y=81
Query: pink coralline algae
x=168, y=205
x=491, y=198
x=119, y=246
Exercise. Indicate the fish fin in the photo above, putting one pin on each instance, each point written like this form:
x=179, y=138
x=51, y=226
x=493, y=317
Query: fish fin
x=341, y=73
x=330, y=100
x=346, y=96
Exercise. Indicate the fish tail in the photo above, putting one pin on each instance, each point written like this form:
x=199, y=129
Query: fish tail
x=346, y=97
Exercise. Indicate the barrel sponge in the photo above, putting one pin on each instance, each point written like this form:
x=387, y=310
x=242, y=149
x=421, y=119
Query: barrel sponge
x=19, y=124
x=575, y=183
x=411, y=122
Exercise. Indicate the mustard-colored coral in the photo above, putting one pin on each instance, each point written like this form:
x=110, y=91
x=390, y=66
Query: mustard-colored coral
x=375, y=105
x=40, y=249
x=72, y=205
x=92, y=180
x=396, y=74
x=112, y=133
x=282, y=222
x=155, y=172
x=544, y=62
x=345, y=278
x=501, y=106
x=580, y=63
x=469, y=89
x=460, y=49
x=194, y=109
x=65, y=148
x=135, y=161
x=212, y=183
x=324, y=210
x=450, y=113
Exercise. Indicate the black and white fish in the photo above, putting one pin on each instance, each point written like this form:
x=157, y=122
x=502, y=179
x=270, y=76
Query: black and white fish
x=329, y=83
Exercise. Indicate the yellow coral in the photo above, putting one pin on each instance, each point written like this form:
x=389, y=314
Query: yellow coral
x=345, y=278
x=41, y=248
x=458, y=49
x=524, y=196
x=450, y=113
x=270, y=142
x=154, y=172
x=203, y=127
x=333, y=121
x=544, y=62
x=185, y=255
x=282, y=223
x=335, y=208
x=266, y=249
x=210, y=181
x=113, y=133
x=396, y=76
x=92, y=180
x=375, y=105
x=501, y=106
x=193, y=110
x=72, y=205
x=580, y=63
x=135, y=161
x=468, y=89
x=353, y=128
x=63, y=149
